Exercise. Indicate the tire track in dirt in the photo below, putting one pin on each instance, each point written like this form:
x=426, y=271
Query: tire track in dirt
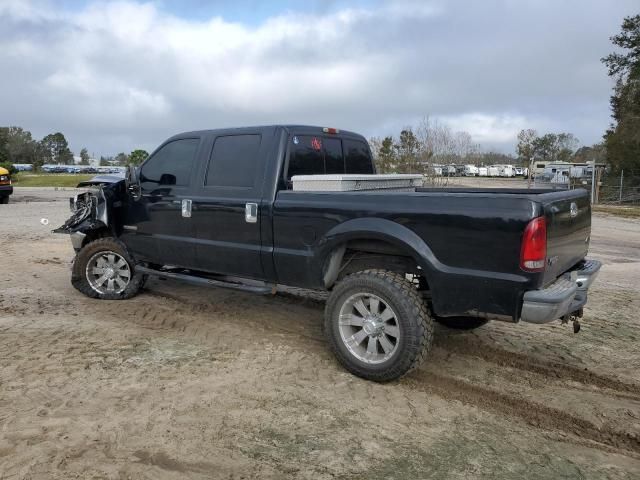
x=552, y=370
x=187, y=307
x=532, y=413
x=466, y=347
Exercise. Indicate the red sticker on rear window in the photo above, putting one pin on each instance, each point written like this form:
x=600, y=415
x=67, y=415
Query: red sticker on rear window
x=316, y=144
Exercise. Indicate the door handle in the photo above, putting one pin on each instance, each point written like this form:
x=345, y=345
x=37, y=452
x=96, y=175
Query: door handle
x=251, y=212
x=186, y=208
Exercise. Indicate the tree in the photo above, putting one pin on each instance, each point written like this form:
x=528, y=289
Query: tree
x=84, y=157
x=122, y=158
x=525, y=148
x=56, y=149
x=567, y=143
x=596, y=153
x=386, y=156
x=137, y=157
x=17, y=145
x=622, y=139
x=105, y=161
x=4, y=139
x=407, y=149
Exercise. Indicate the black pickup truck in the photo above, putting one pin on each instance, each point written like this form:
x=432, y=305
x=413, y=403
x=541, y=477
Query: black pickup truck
x=217, y=207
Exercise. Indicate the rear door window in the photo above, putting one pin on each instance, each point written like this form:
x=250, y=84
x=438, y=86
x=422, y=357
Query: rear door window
x=233, y=161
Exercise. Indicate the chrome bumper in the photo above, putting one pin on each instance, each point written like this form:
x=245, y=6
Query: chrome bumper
x=564, y=296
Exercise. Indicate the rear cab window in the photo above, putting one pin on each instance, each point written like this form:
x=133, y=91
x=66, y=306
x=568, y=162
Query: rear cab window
x=327, y=155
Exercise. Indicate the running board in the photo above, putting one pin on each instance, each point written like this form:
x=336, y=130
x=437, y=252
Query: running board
x=257, y=287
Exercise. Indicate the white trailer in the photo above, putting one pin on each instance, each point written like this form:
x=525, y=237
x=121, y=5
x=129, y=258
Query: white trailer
x=470, y=171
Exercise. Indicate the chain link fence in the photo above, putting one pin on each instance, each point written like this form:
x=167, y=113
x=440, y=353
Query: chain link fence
x=610, y=188
x=618, y=189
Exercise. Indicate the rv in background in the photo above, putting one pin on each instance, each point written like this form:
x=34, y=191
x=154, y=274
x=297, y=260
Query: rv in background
x=502, y=171
x=470, y=171
x=561, y=172
x=483, y=172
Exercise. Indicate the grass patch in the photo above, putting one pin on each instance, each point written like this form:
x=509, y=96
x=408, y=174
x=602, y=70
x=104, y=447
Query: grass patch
x=618, y=210
x=49, y=179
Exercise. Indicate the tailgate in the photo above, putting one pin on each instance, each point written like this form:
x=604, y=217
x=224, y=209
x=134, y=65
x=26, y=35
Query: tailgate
x=568, y=216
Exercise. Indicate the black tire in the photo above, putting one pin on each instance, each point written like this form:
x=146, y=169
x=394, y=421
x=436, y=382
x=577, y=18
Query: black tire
x=412, y=317
x=461, y=323
x=4, y=200
x=79, y=272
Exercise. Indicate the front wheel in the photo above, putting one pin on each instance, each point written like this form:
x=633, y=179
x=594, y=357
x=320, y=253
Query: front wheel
x=104, y=269
x=377, y=325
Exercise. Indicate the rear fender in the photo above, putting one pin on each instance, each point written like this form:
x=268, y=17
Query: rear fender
x=332, y=244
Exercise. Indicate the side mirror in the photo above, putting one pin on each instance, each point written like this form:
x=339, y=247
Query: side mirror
x=132, y=183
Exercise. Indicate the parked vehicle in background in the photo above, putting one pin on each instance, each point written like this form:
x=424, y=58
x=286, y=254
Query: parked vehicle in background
x=436, y=170
x=538, y=168
x=6, y=189
x=470, y=171
x=219, y=208
x=483, y=171
x=23, y=167
x=493, y=171
x=449, y=171
x=507, y=171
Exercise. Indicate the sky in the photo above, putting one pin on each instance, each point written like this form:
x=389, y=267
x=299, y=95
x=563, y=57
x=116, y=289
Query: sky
x=119, y=75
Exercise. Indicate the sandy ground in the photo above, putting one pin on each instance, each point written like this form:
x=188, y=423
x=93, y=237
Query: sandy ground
x=188, y=382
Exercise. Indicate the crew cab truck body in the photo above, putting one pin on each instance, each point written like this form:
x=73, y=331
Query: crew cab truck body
x=217, y=207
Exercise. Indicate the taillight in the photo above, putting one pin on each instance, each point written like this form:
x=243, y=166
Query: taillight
x=533, y=254
x=330, y=130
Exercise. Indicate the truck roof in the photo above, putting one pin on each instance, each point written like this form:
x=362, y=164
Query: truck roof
x=311, y=129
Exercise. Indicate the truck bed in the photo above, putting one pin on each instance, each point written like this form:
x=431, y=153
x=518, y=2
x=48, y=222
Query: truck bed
x=472, y=236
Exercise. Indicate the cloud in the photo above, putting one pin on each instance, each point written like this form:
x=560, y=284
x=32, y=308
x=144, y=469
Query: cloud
x=114, y=76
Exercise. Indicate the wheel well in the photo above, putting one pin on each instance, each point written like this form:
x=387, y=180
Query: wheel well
x=94, y=234
x=358, y=255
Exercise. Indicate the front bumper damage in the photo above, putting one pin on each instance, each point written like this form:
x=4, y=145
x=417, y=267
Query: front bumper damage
x=88, y=213
x=568, y=294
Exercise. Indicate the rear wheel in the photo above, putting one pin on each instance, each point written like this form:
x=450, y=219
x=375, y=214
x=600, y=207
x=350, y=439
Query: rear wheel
x=4, y=200
x=104, y=269
x=377, y=325
x=462, y=323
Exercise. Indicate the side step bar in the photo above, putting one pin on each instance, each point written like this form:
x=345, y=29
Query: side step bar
x=233, y=283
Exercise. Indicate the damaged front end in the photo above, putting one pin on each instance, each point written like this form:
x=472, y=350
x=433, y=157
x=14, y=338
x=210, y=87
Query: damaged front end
x=92, y=214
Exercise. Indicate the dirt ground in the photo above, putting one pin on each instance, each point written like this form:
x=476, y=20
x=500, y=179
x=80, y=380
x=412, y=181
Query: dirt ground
x=189, y=382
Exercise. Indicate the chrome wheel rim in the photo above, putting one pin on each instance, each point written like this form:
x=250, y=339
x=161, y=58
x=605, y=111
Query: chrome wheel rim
x=108, y=272
x=369, y=328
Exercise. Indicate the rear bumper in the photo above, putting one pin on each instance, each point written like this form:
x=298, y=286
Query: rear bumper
x=5, y=190
x=564, y=296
